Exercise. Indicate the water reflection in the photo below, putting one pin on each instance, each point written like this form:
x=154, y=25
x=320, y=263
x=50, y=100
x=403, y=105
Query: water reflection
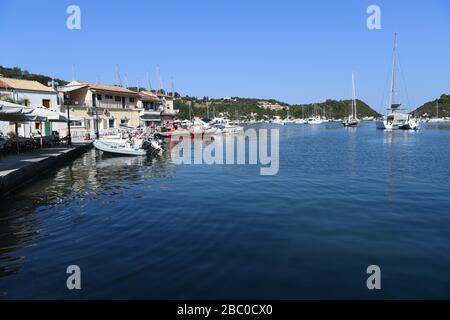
x=437, y=126
x=89, y=176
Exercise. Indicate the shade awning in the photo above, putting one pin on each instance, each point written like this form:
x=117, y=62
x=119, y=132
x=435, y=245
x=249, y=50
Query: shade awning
x=52, y=115
x=13, y=112
x=9, y=107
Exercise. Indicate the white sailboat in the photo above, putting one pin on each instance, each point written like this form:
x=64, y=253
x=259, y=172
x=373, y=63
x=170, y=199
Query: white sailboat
x=288, y=117
x=396, y=118
x=352, y=120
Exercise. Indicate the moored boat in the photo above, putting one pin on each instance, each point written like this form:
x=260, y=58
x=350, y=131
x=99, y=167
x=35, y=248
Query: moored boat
x=314, y=120
x=119, y=147
x=396, y=117
x=352, y=120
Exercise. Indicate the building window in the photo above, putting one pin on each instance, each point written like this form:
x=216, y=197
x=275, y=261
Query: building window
x=108, y=97
x=117, y=99
x=76, y=124
x=123, y=121
x=131, y=99
x=111, y=123
x=99, y=97
x=46, y=103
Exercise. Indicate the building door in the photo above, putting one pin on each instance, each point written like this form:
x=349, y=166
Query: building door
x=46, y=103
x=47, y=128
x=123, y=102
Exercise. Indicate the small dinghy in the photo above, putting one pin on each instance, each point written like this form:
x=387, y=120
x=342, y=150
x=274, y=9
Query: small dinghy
x=125, y=148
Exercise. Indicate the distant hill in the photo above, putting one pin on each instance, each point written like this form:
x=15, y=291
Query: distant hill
x=233, y=107
x=429, y=109
x=337, y=109
x=18, y=73
x=246, y=108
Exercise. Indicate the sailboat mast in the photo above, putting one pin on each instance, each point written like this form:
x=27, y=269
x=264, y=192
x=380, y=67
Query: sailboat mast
x=149, y=86
x=394, y=73
x=353, y=96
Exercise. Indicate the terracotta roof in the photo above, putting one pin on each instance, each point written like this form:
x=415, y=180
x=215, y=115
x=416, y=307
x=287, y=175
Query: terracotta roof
x=148, y=96
x=102, y=87
x=20, y=84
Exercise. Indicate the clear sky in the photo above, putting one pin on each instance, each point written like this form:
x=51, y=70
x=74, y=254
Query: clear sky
x=295, y=51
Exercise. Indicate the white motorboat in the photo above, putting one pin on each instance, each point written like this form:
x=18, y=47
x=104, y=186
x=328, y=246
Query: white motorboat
x=119, y=146
x=314, y=120
x=277, y=120
x=397, y=118
x=129, y=141
x=223, y=126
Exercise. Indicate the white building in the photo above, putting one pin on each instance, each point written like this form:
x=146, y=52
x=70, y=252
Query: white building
x=271, y=106
x=99, y=107
x=32, y=94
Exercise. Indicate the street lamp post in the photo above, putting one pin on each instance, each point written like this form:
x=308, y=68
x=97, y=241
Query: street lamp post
x=97, y=134
x=69, y=135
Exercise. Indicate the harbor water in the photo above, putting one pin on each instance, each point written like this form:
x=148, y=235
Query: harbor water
x=143, y=227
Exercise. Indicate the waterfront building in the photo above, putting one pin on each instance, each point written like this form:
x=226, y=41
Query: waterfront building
x=151, y=106
x=33, y=94
x=100, y=107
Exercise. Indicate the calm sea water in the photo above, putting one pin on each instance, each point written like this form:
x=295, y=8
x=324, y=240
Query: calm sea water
x=343, y=199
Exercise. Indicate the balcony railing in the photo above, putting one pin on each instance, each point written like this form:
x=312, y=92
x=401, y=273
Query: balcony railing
x=101, y=105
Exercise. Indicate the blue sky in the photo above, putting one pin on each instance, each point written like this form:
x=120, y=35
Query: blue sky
x=295, y=51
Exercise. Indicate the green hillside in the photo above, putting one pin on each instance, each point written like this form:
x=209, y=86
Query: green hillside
x=333, y=109
x=430, y=110
x=18, y=73
x=244, y=108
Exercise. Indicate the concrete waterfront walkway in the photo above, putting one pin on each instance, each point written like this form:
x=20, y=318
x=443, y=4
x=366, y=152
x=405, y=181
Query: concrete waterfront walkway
x=16, y=170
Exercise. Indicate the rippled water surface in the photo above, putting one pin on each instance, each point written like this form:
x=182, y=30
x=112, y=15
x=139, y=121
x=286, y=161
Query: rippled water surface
x=343, y=199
